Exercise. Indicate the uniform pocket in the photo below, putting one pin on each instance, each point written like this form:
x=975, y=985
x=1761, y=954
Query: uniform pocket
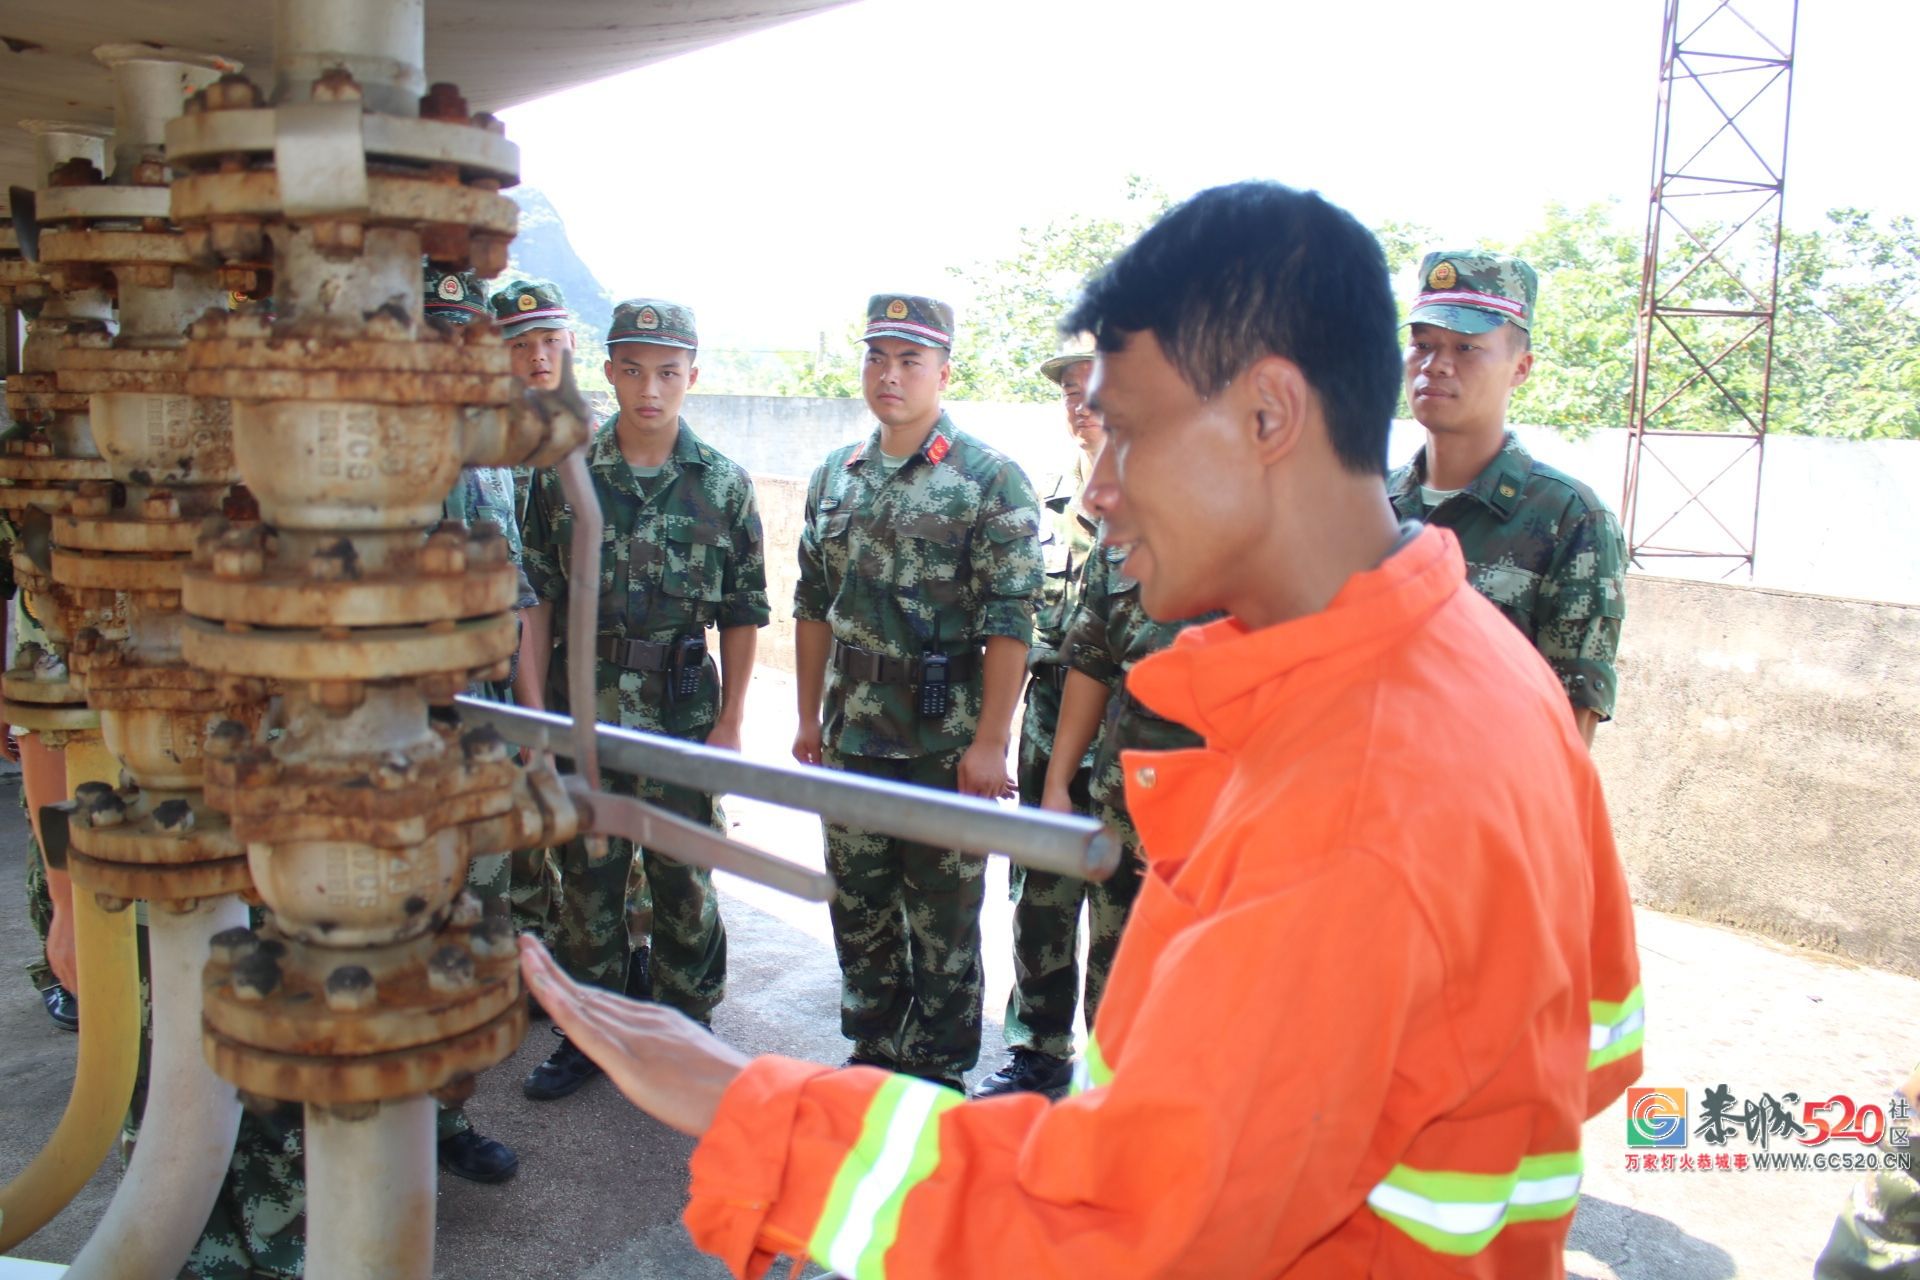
x=696, y=552
x=932, y=555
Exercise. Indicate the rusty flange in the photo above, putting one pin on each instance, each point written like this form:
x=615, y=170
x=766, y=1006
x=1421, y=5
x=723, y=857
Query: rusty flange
x=391, y=364
x=90, y=370
x=157, y=846
x=368, y=1024
x=36, y=397
x=480, y=645
x=127, y=535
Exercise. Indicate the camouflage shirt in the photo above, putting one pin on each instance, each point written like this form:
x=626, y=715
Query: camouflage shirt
x=681, y=551
x=1544, y=549
x=486, y=493
x=1111, y=631
x=1066, y=540
x=934, y=557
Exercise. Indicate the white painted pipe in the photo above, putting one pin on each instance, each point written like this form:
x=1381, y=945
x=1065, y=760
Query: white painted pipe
x=370, y=1190
x=186, y=1135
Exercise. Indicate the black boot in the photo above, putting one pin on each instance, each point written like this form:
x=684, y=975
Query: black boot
x=1027, y=1071
x=564, y=1071
x=477, y=1159
x=62, y=1006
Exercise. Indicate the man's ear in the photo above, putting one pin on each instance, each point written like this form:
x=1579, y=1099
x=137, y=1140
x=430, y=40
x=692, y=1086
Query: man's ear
x=1279, y=399
x=1522, y=369
x=693, y=375
x=606, y=371
x=946, y=371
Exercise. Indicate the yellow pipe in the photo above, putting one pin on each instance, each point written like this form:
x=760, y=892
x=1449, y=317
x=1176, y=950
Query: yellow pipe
x=109, y=1043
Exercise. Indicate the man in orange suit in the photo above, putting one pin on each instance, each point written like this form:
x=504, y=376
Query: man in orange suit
x=1381, y=967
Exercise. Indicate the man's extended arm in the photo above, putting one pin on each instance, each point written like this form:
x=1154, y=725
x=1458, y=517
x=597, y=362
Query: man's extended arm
x=983, y=769
x=737, y=646
x=1083, y=704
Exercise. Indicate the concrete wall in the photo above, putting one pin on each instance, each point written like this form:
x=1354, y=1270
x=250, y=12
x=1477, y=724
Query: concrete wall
x=1764, y=769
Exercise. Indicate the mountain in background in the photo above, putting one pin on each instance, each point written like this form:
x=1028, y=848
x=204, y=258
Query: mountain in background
x=542, y=249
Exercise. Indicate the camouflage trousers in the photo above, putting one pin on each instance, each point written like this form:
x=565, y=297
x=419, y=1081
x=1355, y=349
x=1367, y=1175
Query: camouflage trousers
x=1046, y=933
x=535, y=890
x=39, y=907
x=1878, y=1234
x=906, y=926
x=487, y=877
x=592, y=937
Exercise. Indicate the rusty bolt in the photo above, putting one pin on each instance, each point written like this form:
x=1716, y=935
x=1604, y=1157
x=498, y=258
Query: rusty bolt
x=240, y=555
x=108, y=810
x=230, y=945
x=255, y=975
x=445, y=552
x=335, y=562
x=443, y=102
x=487, y=545
x=450, y=969
x=38, y=445
x=231, y=92
x=336, y=696
x=350, y=989
x=491, y=123
x=258, y=1104
x=336, y=84
x=484, y=745
x=110, y=904
x=240, y=280
x=492, y=939
x=85, y=642
x=16, y=447
x=77, y=172
x=175, y=817
x=339, y=237
x=240, y=504
x=466, y=911
x=87, y=794
x=489, y=256
x=350, y=1112
x=150, y=172
x=393, y=772
x=92, y=499
x=442, y=688
x=238, y=239
x=226, y=740
x=160, y=505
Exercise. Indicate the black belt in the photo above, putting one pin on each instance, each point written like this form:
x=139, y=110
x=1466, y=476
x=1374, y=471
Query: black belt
x=881, y=668
x=640, y=655
x=1051, y=674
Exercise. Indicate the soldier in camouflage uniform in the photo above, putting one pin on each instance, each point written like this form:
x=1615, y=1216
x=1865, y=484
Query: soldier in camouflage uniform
x=533, y=319
x=919, y=567
x=681, y=552
x=1046, y=908
x=1878, y=1234
x=1538, y=543
x=481, y=493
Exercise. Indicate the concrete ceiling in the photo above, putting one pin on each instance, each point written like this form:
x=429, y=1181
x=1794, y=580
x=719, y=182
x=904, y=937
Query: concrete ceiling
x=500, y=52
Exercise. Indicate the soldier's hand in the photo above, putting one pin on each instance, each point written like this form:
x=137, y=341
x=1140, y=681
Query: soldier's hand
x=983, y=772
x=806, y=743
x=1056, y=799
x=666, y=1063
x=725, y=736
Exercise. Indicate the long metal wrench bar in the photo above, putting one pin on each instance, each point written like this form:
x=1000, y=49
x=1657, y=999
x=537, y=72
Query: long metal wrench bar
x=1043, y=841
x=652, y=828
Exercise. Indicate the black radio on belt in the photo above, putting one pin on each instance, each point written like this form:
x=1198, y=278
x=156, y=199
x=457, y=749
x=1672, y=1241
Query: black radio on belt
x=688, y=669
x=936, y=692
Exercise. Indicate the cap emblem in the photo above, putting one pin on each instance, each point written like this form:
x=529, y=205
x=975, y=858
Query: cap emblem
x=527, y=302
x=647, y=319
x=1443, y=276
x=897, y=310
x=450, y=288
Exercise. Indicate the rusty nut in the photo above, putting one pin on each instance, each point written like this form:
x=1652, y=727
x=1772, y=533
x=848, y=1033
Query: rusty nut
x=487, y=545
x=108, y=810
x=231, y=92
x=450, y=970
x=484, y=745
x=350, y=989
x=175, y=817
x=492, y=939
x=256, y=975
x=393, y=772
x=335, y=562
x=160, y=505
x=226, y=739
x=444, y=554
x=230, y=945
x=466, y=911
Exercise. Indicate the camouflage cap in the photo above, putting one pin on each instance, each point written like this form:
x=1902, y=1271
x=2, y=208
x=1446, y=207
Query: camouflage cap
x=1474, y=291
x=457, y=297
x=1055, y=370
x=526, y=305
x=927, y=321
x=665, y=324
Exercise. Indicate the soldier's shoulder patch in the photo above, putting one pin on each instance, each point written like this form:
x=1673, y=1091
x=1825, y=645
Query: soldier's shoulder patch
x=856, y=455
x=940, y=447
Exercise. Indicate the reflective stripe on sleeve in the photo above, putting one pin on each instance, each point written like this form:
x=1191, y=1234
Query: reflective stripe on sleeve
x=1090, y=1069
x=1460, y=1213
x=899, y=1146
x=1617, y=1028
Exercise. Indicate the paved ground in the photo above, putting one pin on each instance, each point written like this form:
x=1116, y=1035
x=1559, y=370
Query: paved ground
x=601, y=1187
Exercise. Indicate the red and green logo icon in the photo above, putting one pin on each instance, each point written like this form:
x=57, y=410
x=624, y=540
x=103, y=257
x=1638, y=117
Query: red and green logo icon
x=1656, y=1117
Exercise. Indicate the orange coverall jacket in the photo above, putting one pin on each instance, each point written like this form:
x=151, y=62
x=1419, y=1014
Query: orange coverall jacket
x=1381, y=970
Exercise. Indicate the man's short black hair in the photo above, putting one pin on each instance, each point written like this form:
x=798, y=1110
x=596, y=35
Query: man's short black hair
x=1254, y=269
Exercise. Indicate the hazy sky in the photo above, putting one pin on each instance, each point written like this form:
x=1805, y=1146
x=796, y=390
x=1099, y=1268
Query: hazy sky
x=775, y=181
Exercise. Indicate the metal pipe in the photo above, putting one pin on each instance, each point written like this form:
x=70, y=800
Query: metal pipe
x=1054, y=842
x=370, y=1180
x=583, y=610
x=661, y=832
x=109, y=1046
x=381, y=42
x=186, y=1135
x=149, y=86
